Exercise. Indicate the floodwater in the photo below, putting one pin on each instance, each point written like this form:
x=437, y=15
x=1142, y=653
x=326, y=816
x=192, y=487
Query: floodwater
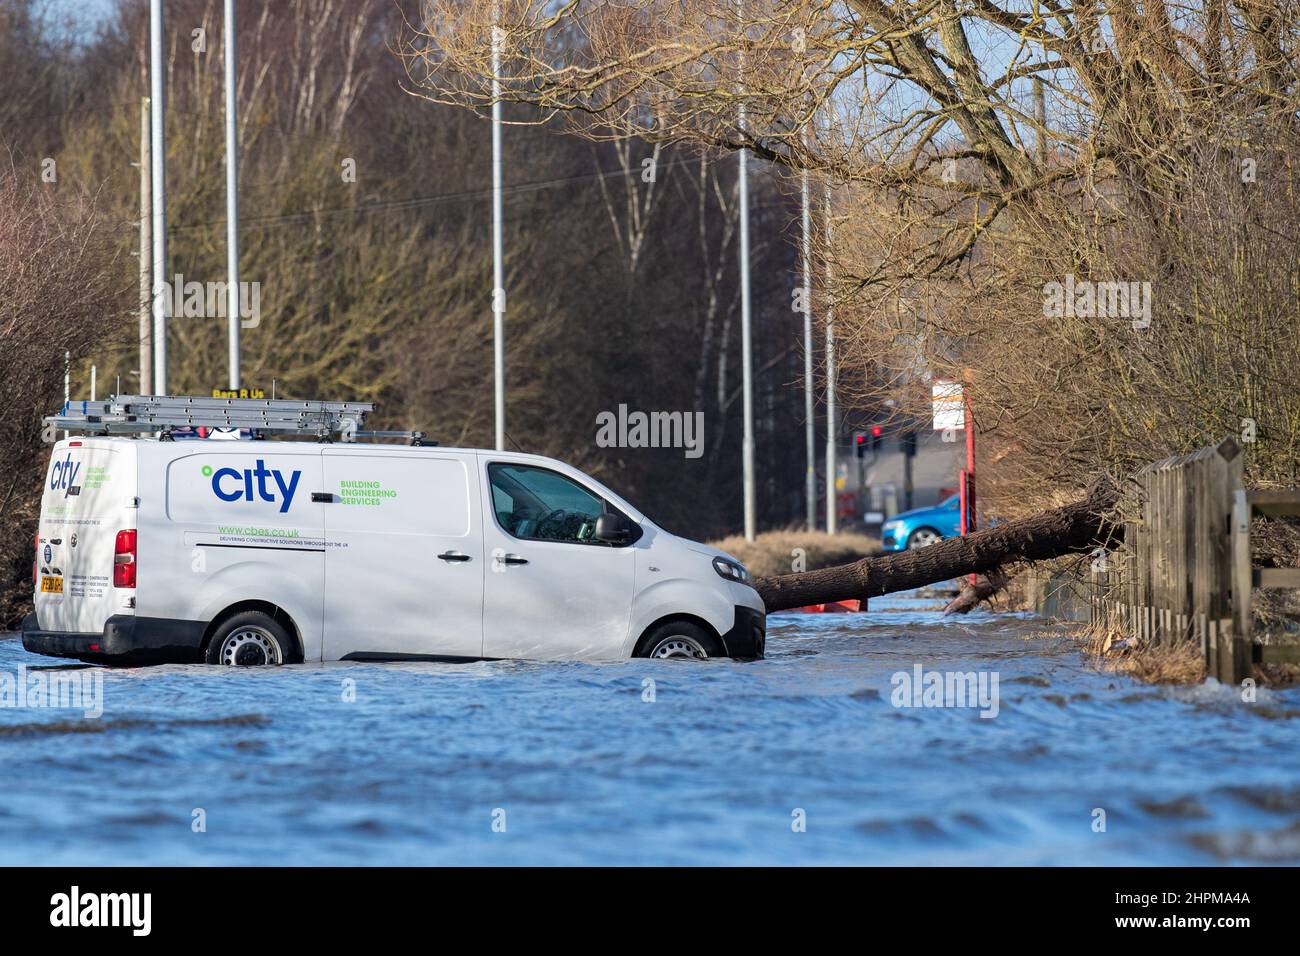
x=799, y=759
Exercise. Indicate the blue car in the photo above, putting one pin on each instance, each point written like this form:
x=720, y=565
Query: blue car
x=922, y=526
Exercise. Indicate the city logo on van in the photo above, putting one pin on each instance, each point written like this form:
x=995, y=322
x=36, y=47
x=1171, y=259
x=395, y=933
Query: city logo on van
x=64, y=475
x=230, y=484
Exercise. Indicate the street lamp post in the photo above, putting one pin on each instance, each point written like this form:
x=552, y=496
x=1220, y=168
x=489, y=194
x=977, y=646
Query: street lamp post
x=498, y=254
x=232, y=201
x=158, y=194
x=746, y=330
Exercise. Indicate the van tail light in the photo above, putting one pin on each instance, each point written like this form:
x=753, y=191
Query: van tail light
x=124, y=560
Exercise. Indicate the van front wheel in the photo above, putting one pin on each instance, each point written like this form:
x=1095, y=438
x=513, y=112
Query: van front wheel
x=249, y=639
x=678, y=640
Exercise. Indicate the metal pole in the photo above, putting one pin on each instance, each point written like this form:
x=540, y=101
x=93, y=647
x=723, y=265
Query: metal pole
x=963, y=485
x=94, y=375
x=810, y=437
x=158, y=195
x=67, y=383
x=970, y=460
x=832, y=425
x=970, y=464
x=907, y=479
x=746, y=333
x=498, y=255
x=232, y=200
x=146, y=255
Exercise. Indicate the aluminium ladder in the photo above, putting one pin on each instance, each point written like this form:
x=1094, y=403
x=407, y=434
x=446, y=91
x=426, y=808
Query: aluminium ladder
x=142, y=414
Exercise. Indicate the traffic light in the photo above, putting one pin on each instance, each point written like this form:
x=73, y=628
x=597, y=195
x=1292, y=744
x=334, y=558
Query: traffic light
x=868, y=440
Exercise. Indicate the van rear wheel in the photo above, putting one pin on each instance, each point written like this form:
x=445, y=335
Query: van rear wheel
x=679, y=640
x=249, y=639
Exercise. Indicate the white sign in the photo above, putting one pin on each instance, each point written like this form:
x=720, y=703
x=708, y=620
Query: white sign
x=949, y=409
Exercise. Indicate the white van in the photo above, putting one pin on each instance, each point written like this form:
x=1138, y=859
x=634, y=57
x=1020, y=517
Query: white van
x=271, y=552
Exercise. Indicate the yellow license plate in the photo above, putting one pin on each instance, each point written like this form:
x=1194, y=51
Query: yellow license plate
x=52, y=585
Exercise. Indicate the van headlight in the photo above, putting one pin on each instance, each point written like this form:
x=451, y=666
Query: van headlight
x=731, y=570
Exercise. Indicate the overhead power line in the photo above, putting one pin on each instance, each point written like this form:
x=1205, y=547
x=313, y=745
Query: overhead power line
x=415, y=202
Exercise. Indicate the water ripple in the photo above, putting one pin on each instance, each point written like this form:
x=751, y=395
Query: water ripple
x=801, y=758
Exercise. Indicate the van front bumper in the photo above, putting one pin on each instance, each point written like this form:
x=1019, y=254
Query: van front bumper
x=126, y=639
x=748, y=636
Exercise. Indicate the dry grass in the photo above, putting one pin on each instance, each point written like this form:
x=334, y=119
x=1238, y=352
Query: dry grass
x=1276, y=623
x=776, y=552
x=1169, y=663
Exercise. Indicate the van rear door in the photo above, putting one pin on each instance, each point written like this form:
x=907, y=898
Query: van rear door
x=90, y=496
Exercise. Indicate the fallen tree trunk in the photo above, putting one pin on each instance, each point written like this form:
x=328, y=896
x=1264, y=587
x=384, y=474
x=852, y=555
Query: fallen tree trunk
x=1075, y=527
x=972, y=594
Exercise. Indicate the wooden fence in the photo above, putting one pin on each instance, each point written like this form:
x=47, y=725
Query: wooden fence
x=1184, y=570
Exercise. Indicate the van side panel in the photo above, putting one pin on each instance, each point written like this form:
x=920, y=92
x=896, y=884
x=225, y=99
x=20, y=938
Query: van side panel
x=404, y=563
x=89, y=496
x=226, y=523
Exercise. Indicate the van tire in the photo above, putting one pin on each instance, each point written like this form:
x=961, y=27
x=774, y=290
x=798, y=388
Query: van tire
x=679, y=640
x=250, y=638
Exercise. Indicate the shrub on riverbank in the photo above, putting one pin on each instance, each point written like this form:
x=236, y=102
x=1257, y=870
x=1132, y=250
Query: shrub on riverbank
x=60, y=296
x=781, y=552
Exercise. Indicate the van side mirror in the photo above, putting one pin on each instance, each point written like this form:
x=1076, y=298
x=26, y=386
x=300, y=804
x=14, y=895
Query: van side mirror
x=614, y=528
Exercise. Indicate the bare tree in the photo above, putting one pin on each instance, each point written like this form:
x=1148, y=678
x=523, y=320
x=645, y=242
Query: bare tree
x=60, y=294
x=987, y=156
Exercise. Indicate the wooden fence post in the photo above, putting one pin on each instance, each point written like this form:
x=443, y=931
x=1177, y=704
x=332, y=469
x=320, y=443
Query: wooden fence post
x=1242, y=581
x=1183, y=559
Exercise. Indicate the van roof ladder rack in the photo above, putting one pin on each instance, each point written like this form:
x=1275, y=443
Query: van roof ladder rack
x=142, y=414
